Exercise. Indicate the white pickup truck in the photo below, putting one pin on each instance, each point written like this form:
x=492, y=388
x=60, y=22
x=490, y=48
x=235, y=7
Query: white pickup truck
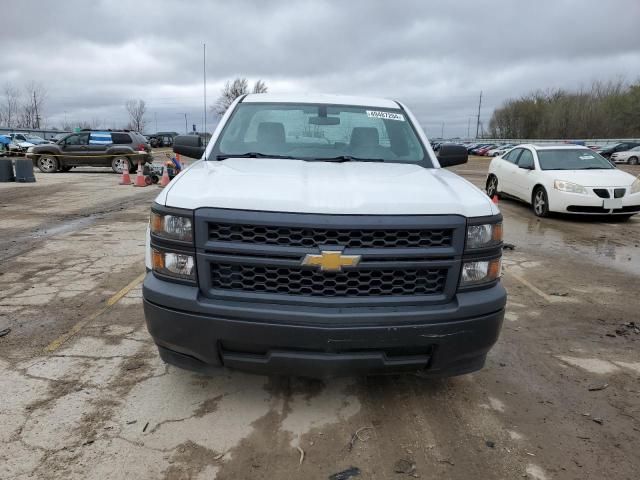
x=320, y=235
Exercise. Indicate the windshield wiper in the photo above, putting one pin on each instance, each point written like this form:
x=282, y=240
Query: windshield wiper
x=347, y=158
x=224, y=156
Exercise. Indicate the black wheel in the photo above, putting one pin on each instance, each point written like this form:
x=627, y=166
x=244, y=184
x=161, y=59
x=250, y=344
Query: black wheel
x=65, y=168
x=632, y=161
x=492, y=186
x=540, y=202
x=47, y=163
x=121, y=163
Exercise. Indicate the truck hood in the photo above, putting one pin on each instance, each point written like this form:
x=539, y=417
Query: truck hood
x=322, y=187
x=594, y=178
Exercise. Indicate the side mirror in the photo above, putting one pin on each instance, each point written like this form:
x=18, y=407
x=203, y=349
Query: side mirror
x=526, y=166
x=449, y=155
x=189, y=145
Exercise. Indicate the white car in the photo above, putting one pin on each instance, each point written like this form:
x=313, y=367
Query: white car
x=564, y=178
x=630, y=156
x=494, y=152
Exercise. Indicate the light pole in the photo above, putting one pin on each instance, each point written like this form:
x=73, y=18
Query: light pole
x=186, y=129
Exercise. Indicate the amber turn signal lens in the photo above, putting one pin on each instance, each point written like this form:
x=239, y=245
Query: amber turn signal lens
x=497, y=233
x=495, y=267
x=157, y=223
x=157, y=260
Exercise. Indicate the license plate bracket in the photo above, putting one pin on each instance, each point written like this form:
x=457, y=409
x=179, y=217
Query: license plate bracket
x=612, y=203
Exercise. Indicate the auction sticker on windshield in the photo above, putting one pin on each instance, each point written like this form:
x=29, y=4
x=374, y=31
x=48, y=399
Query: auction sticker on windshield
x=385, y=115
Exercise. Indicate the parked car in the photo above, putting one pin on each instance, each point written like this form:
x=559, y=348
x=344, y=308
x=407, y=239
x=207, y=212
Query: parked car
x=483, y=151
x=501, y=150
x=161, y=139
x=120, y=150
x=566, y=179
x=319, y=256
x=19, y=147
x=27, y=138
x=609, y=150
x=498, y=150
x=630, y=156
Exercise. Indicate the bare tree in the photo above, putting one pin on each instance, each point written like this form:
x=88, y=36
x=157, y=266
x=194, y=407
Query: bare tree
x=259, y=87
x=137, y=110
x=9, y=107
x=234, y=89
x=31, y=112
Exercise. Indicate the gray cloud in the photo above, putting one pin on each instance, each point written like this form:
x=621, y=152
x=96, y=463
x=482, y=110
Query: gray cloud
x=92, y=56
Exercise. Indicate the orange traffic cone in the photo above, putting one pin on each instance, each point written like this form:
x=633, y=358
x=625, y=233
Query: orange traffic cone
x=126, y=178
x=140, y=180
x=494, y=199
x=164, y=181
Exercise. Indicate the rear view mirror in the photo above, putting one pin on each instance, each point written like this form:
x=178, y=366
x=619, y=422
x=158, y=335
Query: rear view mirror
x=450, y=155
x=324, y=120
x=189, y=145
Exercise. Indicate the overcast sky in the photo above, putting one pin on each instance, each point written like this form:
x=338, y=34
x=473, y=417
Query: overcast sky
x=94, y=55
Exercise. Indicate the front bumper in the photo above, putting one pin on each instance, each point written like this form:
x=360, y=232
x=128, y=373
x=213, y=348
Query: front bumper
x=437, y=340
x=592, y=204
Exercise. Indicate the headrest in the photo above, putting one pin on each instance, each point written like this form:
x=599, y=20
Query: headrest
x=364, y=137
x=270, y=132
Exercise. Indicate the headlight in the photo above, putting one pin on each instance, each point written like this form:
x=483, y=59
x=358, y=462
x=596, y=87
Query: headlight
x=177, y=265
x=569, y=187
x=635, y=186
x=486, y=235
x=30, y=150
x=172, y=227
x=479, y=272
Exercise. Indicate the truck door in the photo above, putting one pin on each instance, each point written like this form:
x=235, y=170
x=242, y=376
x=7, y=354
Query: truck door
x=75, y=149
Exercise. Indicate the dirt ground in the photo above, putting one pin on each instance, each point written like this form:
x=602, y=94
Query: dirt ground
x=83, y=393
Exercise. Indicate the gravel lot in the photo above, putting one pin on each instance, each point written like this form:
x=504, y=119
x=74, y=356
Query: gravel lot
x=83, y=393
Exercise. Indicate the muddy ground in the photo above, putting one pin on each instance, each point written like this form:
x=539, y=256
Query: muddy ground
x=83, y=393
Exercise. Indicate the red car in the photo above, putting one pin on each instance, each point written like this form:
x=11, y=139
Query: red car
x=483, y=151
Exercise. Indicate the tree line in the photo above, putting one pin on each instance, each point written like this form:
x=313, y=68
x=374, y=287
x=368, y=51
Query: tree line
x=25, y=107
x=603, y=110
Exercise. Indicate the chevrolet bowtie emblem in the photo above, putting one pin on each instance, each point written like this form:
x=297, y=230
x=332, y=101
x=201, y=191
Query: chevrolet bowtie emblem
x=331, y=261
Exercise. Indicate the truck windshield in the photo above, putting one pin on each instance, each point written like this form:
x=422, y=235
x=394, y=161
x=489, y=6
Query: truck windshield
x=320, y=132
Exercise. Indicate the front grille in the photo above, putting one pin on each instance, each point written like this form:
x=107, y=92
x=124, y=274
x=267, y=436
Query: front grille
x=601, y=192
x=619, y=192
x=315, y=283
x=314, y=237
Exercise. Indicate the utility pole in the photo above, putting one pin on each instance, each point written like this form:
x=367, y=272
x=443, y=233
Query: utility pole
x=478, y=121
x=186, y=129
x=36, y=123
x=204, y=76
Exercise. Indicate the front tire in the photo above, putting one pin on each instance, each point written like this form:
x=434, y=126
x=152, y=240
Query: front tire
x=120, y=164
x=492, y=186
x=632, y=161
x=540, y=202
x=47, y=163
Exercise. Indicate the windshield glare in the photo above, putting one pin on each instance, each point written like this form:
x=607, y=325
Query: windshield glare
x=578, y=159
x=317, y=132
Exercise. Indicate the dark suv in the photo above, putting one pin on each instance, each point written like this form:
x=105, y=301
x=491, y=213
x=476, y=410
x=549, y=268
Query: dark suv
x=119, y=150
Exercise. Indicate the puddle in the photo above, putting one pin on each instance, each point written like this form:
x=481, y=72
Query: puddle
x=586, y=238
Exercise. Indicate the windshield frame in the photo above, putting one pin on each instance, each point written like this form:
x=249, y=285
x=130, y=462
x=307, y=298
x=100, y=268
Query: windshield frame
x=607, y=166
x=426, y=161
